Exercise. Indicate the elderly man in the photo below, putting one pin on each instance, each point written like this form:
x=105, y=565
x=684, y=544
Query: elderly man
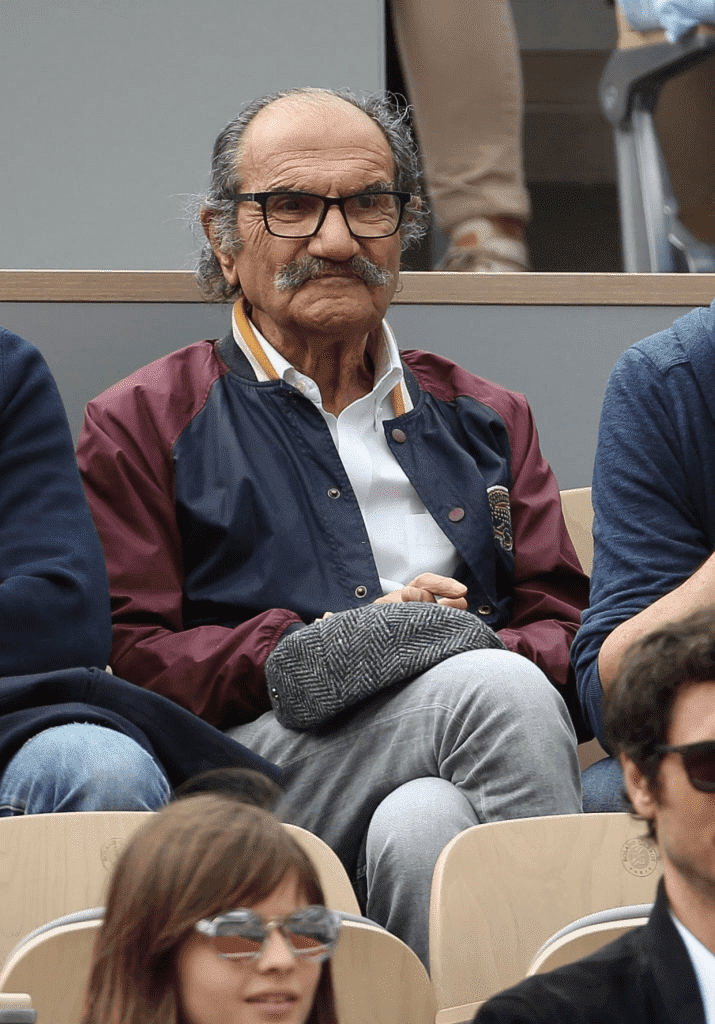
x=243, y=488
x=660, y=719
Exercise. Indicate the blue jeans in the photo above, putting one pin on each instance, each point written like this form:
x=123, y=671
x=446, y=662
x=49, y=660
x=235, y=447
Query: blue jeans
x=603, y=786
x=81, y=767
x=481, y=737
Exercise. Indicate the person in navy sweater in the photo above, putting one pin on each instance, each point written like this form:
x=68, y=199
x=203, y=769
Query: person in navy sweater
x=72, y=736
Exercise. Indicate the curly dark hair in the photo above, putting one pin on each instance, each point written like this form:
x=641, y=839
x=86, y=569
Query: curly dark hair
x=225, y=182
x=639, y=706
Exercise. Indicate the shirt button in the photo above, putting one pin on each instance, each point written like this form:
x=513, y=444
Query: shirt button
x=455, y=515
x=361, y=591
x=333, y=492
x=399, y=435
x=485, y=609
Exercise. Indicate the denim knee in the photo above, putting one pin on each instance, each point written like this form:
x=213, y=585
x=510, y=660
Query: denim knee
x=81, y=767
x=603, y=787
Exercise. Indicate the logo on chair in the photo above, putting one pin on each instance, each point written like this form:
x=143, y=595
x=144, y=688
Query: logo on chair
x=639, y=857
x=109, y=852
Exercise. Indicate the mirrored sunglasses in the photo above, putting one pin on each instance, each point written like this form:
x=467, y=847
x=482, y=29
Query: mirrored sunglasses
x=698, y=761
x=310, y=933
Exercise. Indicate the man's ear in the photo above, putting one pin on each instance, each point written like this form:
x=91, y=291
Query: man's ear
x=639, y=790
x=226, y=259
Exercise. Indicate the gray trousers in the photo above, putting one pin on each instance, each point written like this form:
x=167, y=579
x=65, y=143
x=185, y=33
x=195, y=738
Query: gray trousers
x=482, y=737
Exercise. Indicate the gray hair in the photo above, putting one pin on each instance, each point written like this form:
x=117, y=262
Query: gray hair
x=225, y=181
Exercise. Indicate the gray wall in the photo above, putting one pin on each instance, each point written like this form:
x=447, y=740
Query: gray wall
x=109, y=112
x=559, y=356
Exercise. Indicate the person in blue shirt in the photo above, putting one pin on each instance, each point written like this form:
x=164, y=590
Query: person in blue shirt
x=654, y=511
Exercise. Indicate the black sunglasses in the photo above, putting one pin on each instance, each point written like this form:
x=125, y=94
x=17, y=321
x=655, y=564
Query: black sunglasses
x=698, y=761
x=311, y=933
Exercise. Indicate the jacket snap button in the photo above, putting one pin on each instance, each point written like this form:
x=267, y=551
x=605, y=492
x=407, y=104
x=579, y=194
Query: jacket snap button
x=455, y=515
x=333, y=492
x=399, y=435
x=275, y=696
x=361, y=591
x=484, y=609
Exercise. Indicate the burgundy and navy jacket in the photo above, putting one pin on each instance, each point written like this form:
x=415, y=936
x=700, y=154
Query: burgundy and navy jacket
x=227, y=517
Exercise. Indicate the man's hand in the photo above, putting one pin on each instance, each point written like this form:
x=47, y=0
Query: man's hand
x=428, y=586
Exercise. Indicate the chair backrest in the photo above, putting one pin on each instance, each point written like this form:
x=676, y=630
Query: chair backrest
x=578, y=516
x=502, y=889
x=53, y=968
x=581, y=942
x=53, y=864
x=378, y=979
x=339, y=893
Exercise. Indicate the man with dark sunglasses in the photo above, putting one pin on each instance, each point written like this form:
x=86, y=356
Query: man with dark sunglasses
x=303, y=465
x=660, y=719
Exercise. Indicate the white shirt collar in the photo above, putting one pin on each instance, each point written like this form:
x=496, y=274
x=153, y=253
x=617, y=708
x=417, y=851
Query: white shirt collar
x=388, y=367
x=704, y=966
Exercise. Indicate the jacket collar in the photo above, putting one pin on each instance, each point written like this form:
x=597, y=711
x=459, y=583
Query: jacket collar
x=671, y=966
x=235, y=360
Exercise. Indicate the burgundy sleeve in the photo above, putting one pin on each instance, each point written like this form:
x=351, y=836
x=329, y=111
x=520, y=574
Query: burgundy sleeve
x=125, y=456
x=550, y=588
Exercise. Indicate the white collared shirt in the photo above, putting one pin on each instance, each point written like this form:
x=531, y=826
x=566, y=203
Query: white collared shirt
x=404, y=538
x=704, y=966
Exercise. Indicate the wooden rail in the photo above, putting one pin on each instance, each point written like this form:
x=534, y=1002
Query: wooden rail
x=415, y=288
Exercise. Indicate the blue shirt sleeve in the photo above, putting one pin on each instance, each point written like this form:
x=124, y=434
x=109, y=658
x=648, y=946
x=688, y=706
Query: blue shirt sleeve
x=649, y=536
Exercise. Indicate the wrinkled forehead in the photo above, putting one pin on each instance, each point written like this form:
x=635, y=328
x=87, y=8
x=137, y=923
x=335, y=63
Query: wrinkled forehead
x=313, y=129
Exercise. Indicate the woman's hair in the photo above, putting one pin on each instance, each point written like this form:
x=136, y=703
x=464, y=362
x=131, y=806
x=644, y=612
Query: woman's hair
x=194, y=859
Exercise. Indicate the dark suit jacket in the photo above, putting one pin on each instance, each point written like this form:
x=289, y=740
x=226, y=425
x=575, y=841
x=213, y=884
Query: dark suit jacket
x=645, y=977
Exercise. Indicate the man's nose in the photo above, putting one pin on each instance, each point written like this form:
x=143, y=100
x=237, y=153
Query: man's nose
x=334, y=240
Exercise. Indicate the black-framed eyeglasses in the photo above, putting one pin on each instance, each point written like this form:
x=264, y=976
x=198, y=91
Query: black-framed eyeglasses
x=698, y=761
x=372, y=214
x=310, y=933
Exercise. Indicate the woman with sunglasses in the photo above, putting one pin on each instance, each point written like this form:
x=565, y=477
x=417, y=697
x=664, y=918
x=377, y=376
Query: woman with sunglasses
x=214, y=916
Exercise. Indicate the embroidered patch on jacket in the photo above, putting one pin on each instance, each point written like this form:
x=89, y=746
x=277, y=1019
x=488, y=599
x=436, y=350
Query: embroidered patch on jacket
x=501, y=515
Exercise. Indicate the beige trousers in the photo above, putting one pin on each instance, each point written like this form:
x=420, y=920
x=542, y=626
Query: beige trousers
x=461, y=63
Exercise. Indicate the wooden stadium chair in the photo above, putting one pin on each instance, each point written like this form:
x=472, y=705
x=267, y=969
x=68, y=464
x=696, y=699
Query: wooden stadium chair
x=578, y=516
x=580, y=942
x=337, y=889
x=53, y=968
x=378, y=979
x=502, y=889
x=54, y=864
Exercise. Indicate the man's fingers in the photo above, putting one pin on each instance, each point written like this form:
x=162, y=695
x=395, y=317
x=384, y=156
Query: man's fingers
x=454, y=602
x=445, y=586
